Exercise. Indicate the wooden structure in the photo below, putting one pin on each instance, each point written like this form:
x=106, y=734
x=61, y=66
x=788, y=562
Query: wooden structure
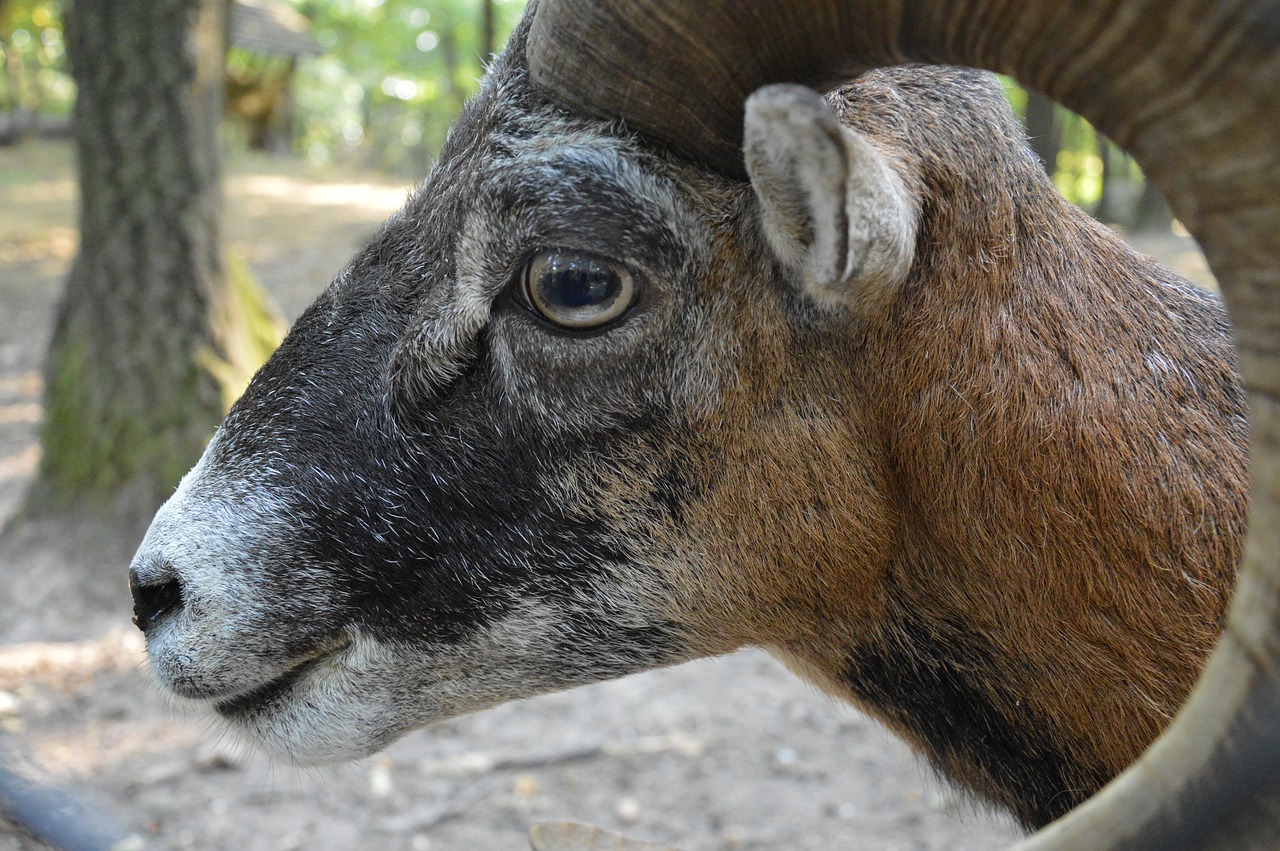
x=258, y=90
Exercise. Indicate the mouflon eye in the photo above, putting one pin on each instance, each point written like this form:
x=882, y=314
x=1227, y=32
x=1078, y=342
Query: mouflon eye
x=577, y=291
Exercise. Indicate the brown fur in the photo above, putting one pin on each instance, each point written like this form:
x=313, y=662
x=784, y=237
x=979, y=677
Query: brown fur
x=1033, y=455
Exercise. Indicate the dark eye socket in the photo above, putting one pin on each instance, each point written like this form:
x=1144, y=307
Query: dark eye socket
x=575, y=290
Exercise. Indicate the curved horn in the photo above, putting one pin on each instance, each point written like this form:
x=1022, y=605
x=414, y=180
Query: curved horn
x=1192, y=88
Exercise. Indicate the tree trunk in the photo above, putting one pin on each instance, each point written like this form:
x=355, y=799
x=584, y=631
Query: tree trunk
x=150, y=328
x=1107, y=209
x=1153, y=211
x=488, y=32
x=449, y=56
x=9, y=97
x=22, y=117
x=1044, y=131
x=285, y=126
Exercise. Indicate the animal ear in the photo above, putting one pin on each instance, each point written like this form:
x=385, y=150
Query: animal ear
x=837, y=216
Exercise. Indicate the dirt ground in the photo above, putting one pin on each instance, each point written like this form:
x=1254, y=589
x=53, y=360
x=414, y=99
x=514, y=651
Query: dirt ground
x=726, y=753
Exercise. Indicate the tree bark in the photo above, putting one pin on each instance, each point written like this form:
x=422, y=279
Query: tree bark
x=150, y=328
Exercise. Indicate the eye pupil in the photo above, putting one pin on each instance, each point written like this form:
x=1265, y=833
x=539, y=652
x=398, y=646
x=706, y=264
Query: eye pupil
x=578, y=284
x=576, y=290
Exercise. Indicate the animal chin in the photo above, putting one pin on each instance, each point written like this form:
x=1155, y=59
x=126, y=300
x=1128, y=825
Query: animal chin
x=262, y=698
x=329, y=707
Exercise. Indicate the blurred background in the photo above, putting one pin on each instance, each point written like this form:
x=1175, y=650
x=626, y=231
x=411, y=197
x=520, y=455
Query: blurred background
x=178, y=180
x=366, y=83
x=374, y=84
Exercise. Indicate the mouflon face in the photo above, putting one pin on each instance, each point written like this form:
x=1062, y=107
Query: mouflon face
x=890, y=408
x=468, y=473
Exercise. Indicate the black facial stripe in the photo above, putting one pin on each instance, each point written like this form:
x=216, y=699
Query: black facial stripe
x=943, y=683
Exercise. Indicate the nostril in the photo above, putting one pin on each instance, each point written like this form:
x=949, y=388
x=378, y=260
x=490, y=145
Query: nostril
x=152, y=601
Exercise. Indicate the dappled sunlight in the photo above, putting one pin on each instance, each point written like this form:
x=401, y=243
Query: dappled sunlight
x=80, y=753
x=27, y=383
x=21, y=412
x=45, y=191
x=47, y=242
x=37, y=204
x=83, y=718
x=366, y=197
x=38, y=676
x=19, y=466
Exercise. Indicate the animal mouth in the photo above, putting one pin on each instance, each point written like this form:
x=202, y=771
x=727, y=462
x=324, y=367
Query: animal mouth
x=273, y=691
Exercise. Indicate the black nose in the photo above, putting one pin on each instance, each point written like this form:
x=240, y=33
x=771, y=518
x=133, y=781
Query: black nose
x=154, y=599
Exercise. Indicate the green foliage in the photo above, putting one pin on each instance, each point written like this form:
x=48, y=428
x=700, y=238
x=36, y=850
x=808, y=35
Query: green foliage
x=395, y=75
x=1080, y=172
x=33, y=76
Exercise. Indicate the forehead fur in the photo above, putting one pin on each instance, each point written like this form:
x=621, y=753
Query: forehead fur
x=518, y=175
